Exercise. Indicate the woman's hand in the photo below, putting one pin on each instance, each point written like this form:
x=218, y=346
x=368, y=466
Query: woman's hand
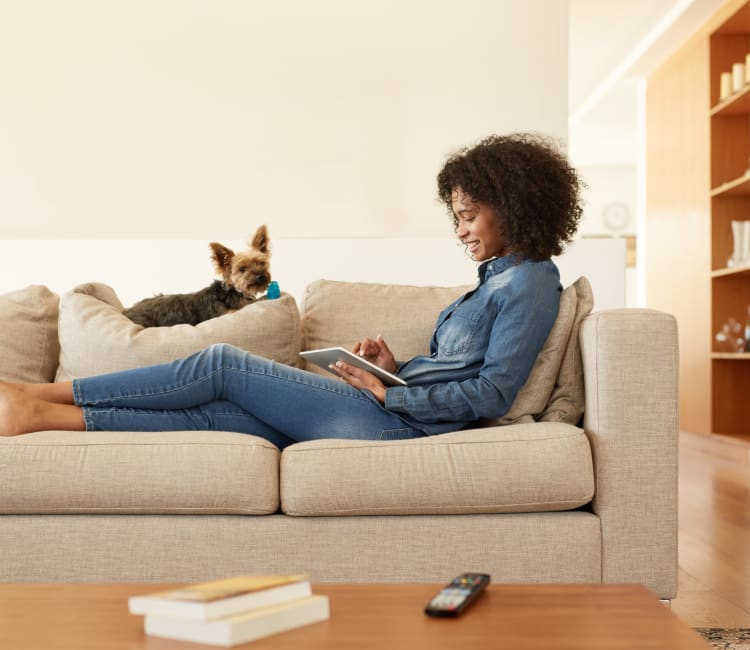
x=377, y=352
x=360, y=379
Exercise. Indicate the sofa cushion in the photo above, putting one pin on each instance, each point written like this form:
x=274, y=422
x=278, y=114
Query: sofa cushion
x=193, y=472
x=567, y=399
x=534, y=395
x=517, y=468
x=96, y=338
x=554, y=390
x=28, y=335
x=342, y=313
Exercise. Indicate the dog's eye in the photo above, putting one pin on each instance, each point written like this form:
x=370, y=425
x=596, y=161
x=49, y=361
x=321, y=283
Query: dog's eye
x=241, y=269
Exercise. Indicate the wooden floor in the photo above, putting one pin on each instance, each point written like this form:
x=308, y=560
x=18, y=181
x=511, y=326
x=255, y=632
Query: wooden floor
x=714, y=532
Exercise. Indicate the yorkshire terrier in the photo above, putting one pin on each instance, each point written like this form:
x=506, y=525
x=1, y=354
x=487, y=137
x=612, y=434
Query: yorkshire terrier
x=244, y=275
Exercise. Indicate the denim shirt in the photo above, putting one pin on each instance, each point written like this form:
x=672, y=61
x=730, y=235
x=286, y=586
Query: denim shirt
x=483, y=348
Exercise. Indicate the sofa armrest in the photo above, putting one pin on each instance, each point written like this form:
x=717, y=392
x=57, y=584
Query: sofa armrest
x=630, y=367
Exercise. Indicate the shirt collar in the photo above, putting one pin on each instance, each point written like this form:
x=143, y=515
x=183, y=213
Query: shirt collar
x=497, y=265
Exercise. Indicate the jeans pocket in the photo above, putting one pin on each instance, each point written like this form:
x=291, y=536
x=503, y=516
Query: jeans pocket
x=398, y=434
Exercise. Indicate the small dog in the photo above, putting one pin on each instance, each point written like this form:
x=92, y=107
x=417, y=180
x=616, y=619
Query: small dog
x=244, y=274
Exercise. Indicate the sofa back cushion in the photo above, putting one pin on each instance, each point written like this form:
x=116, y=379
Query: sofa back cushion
x=28, y=335
x=96, y=338
x=341, y=313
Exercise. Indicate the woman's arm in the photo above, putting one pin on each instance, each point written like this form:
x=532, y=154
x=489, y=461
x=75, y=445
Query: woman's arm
x=520, y=328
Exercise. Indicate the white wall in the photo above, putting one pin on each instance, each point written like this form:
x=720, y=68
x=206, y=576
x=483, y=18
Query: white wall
x=197, y=119
x=610, y=184
x=137, y=269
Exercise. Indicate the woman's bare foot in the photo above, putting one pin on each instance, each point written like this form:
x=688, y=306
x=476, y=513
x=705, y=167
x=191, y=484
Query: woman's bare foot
x=13, y=410
x=60, y=393
x=23, y=413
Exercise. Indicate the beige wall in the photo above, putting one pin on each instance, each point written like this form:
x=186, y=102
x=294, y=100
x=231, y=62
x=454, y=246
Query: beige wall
x=198, y=119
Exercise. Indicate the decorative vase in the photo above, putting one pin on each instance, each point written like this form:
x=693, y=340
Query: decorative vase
x=740, y=244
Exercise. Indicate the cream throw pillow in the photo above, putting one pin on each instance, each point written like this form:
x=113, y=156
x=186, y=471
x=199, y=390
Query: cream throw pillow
x=567, y=400
x=96, y=338
x=554, y=390
x=535, y=393
x=28, y=335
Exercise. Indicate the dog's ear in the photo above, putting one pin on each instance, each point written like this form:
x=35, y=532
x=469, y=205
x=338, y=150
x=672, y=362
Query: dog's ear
x=260, y=239
x=222, y=257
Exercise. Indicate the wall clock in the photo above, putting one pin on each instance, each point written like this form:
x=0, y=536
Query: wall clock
x=616, y=216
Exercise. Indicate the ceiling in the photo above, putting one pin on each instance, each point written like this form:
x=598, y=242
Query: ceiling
x=613, y=46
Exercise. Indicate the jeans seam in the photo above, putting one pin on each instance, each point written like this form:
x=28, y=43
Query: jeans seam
x=208, y=376
x=88, y=419
x=75, y=384
x=359, y=395
x=161, y=392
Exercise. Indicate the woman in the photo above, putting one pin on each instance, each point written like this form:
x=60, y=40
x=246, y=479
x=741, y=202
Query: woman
x=514, y=201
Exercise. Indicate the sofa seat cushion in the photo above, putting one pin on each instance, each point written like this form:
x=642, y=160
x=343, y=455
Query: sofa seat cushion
x=513, y=468
x=177, y=472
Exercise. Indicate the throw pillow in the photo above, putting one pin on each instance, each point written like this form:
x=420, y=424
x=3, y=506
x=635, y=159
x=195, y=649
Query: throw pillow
x=567, y=400
x=28, y=335
x=96, y=338
x=535, y=393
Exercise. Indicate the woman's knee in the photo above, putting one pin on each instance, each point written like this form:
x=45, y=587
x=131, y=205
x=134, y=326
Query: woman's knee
x=225, y=355
x=222, y=355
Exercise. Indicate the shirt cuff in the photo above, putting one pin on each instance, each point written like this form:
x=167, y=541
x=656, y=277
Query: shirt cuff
x=395, y=397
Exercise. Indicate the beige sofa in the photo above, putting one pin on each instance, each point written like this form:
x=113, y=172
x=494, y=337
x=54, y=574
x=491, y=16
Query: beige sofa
x=543, y=496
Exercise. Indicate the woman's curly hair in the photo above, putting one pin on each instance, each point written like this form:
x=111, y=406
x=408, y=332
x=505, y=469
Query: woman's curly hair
x=535, y=192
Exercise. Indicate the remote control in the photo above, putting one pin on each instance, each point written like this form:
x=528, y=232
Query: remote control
x=455, y=597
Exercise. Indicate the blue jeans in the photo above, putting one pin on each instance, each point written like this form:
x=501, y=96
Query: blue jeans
x=224, y=388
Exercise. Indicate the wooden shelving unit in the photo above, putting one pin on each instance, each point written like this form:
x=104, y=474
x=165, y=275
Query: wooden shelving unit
x=730, y=201
x=736, y=187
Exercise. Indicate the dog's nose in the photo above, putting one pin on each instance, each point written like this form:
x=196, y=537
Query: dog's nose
x=261, y=278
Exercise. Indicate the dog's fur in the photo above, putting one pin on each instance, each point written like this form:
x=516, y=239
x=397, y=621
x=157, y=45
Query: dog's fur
x=244, y=275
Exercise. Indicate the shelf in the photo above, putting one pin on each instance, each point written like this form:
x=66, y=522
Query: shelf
x=738, y=187
x=736, y=104
x=737, y=271
x=729, y=129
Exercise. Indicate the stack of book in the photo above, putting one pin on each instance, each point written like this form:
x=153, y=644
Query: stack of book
x=231, y=611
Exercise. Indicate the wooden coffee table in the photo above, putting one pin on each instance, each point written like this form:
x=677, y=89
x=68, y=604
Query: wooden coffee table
x=575, y=617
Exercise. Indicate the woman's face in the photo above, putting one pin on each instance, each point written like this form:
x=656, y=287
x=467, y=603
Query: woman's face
x=477, y=227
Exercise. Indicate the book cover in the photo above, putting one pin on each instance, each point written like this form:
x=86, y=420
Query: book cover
x=208, y=600
x=242, y=628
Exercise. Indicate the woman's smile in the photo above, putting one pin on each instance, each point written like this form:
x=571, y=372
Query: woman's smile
x=477, y=227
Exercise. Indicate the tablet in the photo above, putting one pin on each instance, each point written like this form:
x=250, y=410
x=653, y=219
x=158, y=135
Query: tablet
x=327, y=356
